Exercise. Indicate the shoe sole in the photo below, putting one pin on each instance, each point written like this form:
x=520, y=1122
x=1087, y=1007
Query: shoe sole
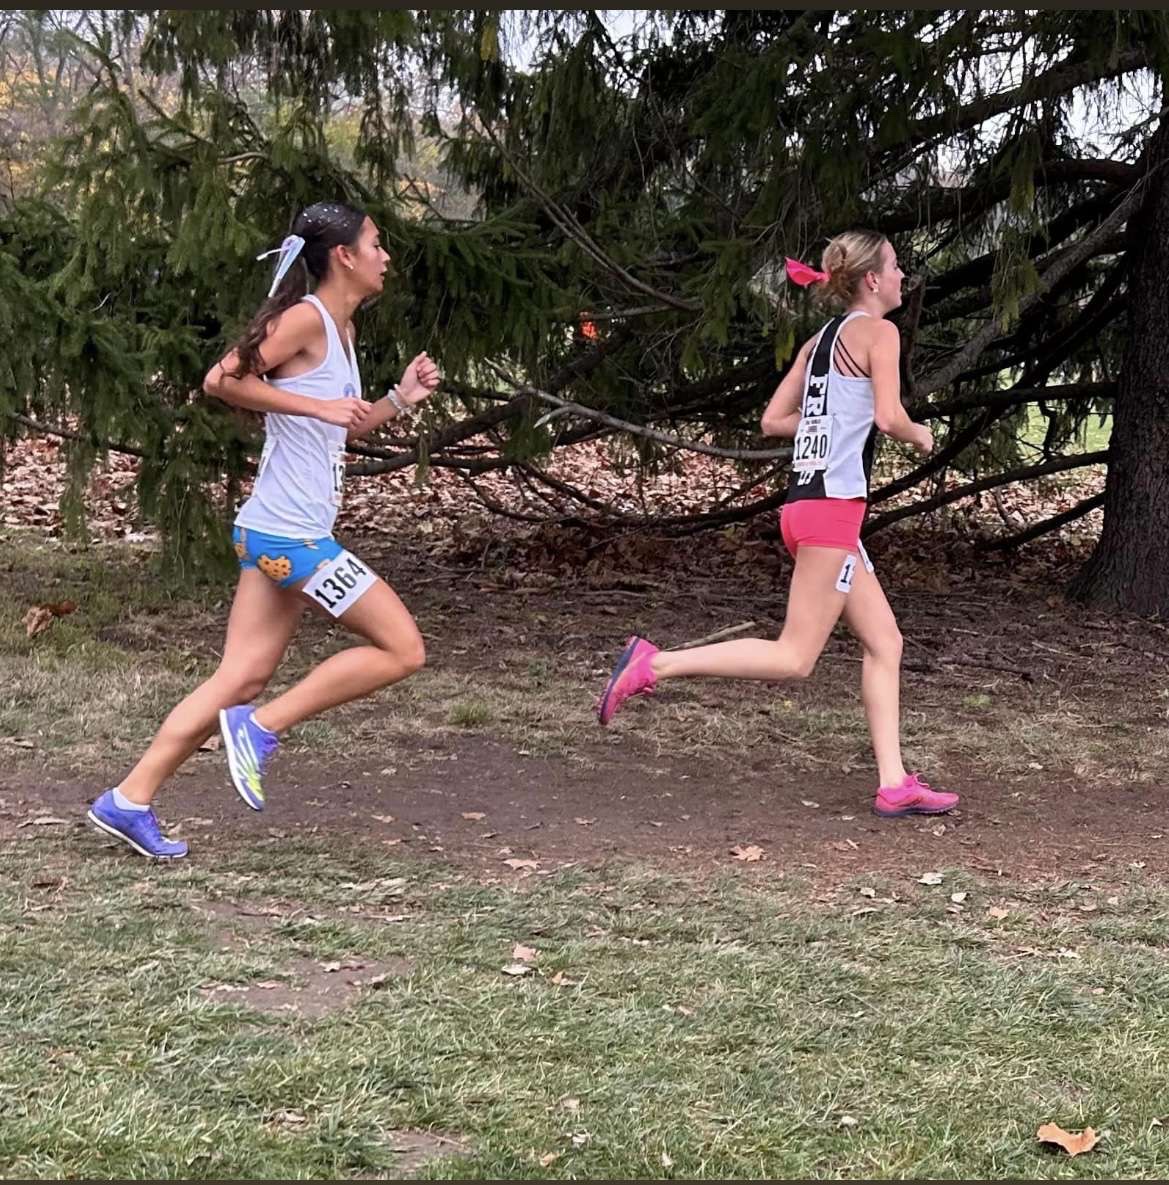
x=622, y=663
x=913, y=810
x=229, y=749
x=127, y=840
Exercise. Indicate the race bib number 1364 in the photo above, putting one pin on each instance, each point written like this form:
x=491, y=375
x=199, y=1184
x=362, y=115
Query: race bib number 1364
x=339, y=584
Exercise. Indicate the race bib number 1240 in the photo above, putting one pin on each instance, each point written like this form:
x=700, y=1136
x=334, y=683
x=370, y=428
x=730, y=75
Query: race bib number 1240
x=813, y=443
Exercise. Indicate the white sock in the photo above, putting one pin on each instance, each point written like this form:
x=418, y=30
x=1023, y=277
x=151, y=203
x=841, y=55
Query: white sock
x=124, y=804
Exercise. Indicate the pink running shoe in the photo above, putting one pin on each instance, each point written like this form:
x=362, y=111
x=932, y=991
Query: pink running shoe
x=631, y=676
x=913, y=797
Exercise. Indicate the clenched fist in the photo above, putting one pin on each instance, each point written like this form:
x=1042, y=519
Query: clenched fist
x=419, y=380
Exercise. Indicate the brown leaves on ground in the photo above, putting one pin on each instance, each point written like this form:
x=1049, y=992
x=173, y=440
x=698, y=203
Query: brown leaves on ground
x=749, y=853
x=40, y=617
x=520, y=864
x=1073, y=1143
x=523, y=954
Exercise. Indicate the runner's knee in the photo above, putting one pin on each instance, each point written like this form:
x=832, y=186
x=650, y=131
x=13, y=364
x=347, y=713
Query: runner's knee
x=888, y=647
x=241, y=687
x=403, y=657
x=803, y=666
x=414, y=656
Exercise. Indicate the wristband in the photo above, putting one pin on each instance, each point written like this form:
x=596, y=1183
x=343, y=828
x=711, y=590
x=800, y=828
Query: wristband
x=399, y=403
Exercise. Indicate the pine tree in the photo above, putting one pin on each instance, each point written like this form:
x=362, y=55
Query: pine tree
x=649, y=185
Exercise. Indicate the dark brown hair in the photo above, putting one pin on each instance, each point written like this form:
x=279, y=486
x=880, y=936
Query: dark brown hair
x=323, y=226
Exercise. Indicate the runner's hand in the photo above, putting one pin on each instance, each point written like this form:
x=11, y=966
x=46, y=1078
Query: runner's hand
x=344, y=413
x=419, y=379
x=924, y=440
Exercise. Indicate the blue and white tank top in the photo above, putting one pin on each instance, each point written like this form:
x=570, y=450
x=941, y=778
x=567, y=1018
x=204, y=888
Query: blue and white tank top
x=300, y=479
x=833, y=451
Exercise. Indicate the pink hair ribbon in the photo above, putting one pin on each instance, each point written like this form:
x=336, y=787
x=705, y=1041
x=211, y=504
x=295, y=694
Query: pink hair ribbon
x=802, y=274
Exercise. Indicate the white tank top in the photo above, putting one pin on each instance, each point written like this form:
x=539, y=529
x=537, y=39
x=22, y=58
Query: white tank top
x=833, y=449
x=300, y=479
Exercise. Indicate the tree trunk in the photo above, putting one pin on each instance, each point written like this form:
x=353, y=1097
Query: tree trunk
x=1129, y=570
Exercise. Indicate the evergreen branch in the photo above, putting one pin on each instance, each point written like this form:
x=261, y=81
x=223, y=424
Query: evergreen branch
x=1045, y=527
x=571, y=227
x=1069, y=260
x=1061, y=78
x=1058, y=465
x=684, y=523
x=954, y=447
x=1014, y=397
x=67, y=434
x=980, y=270
x=946, y=203
x=640, y=430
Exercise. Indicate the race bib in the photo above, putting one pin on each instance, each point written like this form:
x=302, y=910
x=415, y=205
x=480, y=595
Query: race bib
x=338, y=476
x=265, y=457
x=847, y=571
x=340, y=583
x=813, y=443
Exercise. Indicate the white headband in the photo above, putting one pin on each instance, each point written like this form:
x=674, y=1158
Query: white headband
x=288, y=251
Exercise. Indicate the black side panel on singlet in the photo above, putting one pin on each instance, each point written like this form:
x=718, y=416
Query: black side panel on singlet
x=815, y=403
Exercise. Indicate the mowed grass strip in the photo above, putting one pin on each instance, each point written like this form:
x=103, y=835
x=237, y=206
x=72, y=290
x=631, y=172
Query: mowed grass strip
x=735, y=1027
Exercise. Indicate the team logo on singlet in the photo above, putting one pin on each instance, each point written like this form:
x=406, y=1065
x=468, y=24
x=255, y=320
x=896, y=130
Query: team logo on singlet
x=350, y=391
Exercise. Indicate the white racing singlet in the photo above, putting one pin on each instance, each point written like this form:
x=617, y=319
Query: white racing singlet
x=300, y=479
x=833, y=449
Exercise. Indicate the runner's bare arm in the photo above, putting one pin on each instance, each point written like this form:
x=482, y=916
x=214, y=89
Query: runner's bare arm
x=782, y=415
x=889, y=413
x=287, y=336
x=418, y=381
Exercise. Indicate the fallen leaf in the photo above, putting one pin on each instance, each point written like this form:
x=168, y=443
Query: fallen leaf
x=997, y=912
x=474, y=816
x=848, y=1121
x=570, y=1104
x=584, y=822
x=548, y=1158
x=37, y=620
x=383, y=818
x=930, y=878
x=374, y=981
x=211, y=744
x=516, y=863
x=516, y=969
x=867, y=892
x=581, y=1139
x=667, y=1162
x=523, y=954
x=562, y=980
x=292, y=1118
x=938, y=830
x=846, y=845
x=808, y=802
x=44, y=821
x=1073, y=1143
x=749, y=853
x=958, y=898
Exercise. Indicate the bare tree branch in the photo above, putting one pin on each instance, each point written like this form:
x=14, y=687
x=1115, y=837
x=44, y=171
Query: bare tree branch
x=1058, y=465
x=1045, y=527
